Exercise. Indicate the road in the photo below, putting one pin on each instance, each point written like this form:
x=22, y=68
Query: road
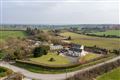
x=39, y=76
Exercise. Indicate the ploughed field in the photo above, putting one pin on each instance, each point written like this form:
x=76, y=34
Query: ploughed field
x=109, y=43
x=45, y=59
x=109, y=32
x=112, y=75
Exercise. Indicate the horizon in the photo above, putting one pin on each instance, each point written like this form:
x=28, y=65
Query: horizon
x=59, y=24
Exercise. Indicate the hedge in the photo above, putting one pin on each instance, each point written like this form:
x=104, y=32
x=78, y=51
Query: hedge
x=94, y=72
x=59, y=66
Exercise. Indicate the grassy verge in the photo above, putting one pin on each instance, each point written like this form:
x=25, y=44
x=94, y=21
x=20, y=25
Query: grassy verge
x=112, y=75
x=38, y=69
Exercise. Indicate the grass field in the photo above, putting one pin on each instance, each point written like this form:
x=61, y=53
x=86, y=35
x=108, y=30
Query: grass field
x=112, y=75
x=109, y=32
x=109, y=43
x=6, y=34
x=59, y=60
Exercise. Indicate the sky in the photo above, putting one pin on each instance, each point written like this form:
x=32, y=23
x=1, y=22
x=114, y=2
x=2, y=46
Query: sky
x=59, y=11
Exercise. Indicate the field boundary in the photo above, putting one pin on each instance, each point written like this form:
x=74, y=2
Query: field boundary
x=95, y=71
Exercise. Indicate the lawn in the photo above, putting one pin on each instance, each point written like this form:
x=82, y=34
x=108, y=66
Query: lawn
x=109, y=43
x=88, y=57
x=109, y=32
x=59, y=60
x=112, y=75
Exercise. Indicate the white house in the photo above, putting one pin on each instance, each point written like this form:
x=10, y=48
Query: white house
x=76, y=50
x=55, y=47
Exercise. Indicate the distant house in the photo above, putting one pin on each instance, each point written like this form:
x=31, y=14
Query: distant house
x=55, y=47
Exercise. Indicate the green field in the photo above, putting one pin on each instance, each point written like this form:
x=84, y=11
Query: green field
x=109, y=32
x=109, y=43
x=7, y=34
x=112, y=75
x=59, y=60
x=4, y=35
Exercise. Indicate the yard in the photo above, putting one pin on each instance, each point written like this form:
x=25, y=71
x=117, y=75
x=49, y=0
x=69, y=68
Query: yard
x=109, y=43
x=58, y=59
x=112, y=75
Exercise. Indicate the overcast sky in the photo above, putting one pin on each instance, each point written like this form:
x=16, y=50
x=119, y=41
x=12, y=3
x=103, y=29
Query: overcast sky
x=59, y=12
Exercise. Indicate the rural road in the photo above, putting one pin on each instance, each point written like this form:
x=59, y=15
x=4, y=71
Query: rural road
x=62, y=76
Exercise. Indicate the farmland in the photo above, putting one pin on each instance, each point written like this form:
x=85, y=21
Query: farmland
x=109, y=43
x=109, y=32
x=59, y=60
x=113, y=75
x=7, y=34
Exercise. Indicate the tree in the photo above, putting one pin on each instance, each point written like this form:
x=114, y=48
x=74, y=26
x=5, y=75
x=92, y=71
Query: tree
x=117, y=52
x=45, y=52
x=17, y=48
x=51, y=59
x=41, y=50
x=69, y=38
